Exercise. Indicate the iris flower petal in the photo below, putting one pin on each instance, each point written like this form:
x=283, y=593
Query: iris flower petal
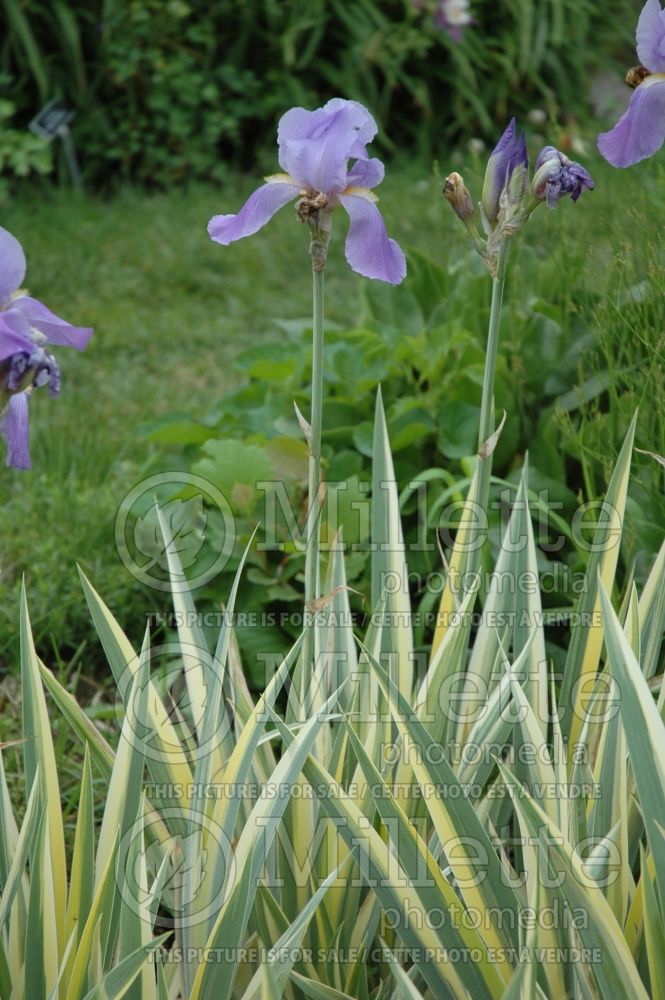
x=14, y=334
x=366, y=173
x=12, y=265
x=55, y=329
x=651, y=37
x=254, y=214
x=640, y=131
x=14, y=429
x=508, y=154
x=368, y=248
x=315, y=150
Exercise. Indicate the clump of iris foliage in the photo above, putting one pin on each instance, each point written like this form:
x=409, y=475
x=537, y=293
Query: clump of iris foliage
x=477, y=821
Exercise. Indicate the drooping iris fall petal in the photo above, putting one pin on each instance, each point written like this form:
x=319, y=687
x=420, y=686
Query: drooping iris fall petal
x=15, y=430
x=55, y=329
x=254, y=214
x=640, y=132
x=368, y=248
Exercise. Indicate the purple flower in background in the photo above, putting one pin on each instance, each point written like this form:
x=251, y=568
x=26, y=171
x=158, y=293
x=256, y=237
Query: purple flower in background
x=556, y=175
x=26, y=326
x=453, y=16
x=315, y=148
x=509, y=159
x=640, y=132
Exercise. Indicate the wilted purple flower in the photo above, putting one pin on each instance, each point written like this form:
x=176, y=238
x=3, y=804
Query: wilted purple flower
x=315, y=148
x=640, y=132
x=26, y=326
x=509, y=159
x=556, y=175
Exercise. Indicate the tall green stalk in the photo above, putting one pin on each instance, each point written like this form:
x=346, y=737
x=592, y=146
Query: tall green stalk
x=486, y=428
x=318, y=252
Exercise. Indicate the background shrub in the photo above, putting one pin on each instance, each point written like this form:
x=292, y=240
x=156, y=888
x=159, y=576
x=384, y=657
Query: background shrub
x=171, y=91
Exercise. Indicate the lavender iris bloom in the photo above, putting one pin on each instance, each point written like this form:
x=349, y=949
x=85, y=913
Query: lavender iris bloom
x=640, y=132
x=556, y=175
x=26, y=326
x=509, y=159
x=315, y=148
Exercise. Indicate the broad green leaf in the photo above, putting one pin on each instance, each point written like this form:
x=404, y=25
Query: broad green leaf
x=41, y=942
x=654, y=933
x=97, y=746
x=389, y=570
x=38, y=751
x=117, y=981
x=587, y=633
x=250, y=856
x=317, y=991
x=25, y=847
x=645, y=734
x=83, y=862
x=478, y=871
x=616, y=973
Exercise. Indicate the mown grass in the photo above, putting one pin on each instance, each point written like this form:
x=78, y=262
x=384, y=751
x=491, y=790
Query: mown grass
x=170, y=309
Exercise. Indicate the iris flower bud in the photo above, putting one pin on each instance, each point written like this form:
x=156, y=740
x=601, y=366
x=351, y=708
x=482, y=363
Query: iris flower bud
x=509, y=159
x=455, y=191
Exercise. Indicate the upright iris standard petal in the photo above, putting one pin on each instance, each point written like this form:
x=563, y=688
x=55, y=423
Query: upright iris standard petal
x=318, y=160
x=365, y=174
x=55, y=329
x=640, y=132
x=14, y=429
x=339, y=129
x=255, y=213
x=651, y=37
x=368, y=248
x=12, y=266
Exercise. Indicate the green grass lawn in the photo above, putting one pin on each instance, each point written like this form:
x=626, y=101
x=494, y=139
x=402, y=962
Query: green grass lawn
x=170, y=308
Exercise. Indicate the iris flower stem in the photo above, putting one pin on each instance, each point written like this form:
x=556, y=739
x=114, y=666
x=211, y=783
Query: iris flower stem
x=314, y=479
x=491, y=352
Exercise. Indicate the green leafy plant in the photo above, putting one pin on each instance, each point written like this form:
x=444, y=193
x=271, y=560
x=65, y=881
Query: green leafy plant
x=21, y=153
x=168, y=92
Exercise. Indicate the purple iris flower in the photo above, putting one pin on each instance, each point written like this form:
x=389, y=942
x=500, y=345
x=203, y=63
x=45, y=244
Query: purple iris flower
x=556, y=175
x=509, y=159
x=315, y=148
x=26, y=327
x=640, y=132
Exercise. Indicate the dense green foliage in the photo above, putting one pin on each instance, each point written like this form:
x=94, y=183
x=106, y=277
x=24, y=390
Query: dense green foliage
x=172, y=91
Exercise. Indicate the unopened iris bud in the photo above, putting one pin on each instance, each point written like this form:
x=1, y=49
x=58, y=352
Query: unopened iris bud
x=508, y=158
x=455, y=191
x=557, y=176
